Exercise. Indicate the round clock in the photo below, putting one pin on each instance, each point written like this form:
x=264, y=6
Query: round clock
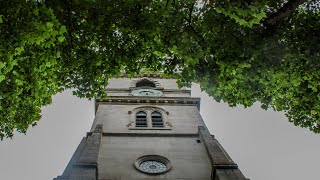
x=146, y=92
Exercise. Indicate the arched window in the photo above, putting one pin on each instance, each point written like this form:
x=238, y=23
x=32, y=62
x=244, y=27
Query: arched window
x=141, y=119
x=145, y=83
x=157, y=120
x=149, y=118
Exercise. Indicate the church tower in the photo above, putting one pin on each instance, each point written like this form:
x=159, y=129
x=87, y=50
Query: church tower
x=148, y=129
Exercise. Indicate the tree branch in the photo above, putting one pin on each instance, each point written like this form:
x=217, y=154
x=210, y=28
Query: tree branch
x=189, y=20
x=167, y=4
x=198, y=35
x=285, y=11
x=190, y=13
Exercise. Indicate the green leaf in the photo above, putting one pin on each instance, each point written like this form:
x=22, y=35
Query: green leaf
x=2, y=65
x=15, y=73
x=19, y=82
x=313, y=112
x=61, y=38
x=62, y=30
x=2, y=77
x=49, y=25
x=19, y=50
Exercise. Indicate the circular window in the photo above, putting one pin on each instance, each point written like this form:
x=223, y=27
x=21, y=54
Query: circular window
x=153, y=164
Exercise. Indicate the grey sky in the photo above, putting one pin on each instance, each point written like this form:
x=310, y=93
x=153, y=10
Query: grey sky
x=262, y=143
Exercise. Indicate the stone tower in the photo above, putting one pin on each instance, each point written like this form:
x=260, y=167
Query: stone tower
x=147, y=129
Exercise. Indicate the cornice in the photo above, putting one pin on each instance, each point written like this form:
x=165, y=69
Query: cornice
x=149, y=134
x=189, y=101
x=133, y=88
x=150, y=75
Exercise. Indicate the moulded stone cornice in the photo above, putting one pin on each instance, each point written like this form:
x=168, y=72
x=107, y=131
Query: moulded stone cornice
x=152, y=134
x=149, y=100
x=164, y=90
x=128, y=90
x=151, y=75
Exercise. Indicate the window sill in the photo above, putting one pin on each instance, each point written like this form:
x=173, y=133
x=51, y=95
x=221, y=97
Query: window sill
x=149, y=128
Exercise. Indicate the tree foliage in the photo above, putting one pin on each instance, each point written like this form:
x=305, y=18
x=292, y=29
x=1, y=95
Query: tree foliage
x=240, y=52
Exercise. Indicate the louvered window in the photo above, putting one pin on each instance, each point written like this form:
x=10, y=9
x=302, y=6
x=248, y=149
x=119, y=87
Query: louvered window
x=145, y=83
x=157, y=120
x=141, y=119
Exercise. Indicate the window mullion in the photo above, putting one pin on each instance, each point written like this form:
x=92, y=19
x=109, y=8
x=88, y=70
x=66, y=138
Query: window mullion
x=149, y=119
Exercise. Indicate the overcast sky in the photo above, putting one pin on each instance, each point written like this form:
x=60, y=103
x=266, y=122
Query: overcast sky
x=263, y=143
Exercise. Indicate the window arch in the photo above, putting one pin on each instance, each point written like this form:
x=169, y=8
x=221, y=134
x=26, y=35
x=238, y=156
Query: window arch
x=149, y=118
x=145, y=83
x=141, y=119
x=156, y=118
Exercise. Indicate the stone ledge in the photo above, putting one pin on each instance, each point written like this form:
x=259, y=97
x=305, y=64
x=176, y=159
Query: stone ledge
x=133, y=88
x=150, y=75
x=86, y=165
x=150, y=134
x=149, y=100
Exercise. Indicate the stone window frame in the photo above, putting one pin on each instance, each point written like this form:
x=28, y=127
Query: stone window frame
x=149, y=109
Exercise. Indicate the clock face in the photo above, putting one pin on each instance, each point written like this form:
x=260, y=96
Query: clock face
x=146, y=92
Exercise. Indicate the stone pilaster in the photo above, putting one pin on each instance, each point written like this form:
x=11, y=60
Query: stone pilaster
x=223, y=167
x=83, y=164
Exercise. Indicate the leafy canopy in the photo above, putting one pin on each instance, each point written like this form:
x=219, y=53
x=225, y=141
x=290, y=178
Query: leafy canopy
x=240, y=52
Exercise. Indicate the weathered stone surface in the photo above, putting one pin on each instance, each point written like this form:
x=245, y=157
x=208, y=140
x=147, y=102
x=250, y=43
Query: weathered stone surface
x=229, y=174
x=118, y=154
x=83, y=164
x=223, y=167
x=217, y=154
x=115, y=118
x=115, y=143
